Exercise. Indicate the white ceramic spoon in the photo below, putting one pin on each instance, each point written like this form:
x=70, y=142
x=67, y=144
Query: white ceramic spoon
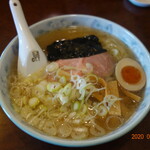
x=31, y=57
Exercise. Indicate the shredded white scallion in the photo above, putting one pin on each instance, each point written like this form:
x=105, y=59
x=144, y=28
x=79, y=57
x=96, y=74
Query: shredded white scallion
x=108, y=101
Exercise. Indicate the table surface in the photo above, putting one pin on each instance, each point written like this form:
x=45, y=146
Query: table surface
x=135, y=19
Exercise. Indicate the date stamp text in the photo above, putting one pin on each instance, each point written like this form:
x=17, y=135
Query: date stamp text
x=140, y=136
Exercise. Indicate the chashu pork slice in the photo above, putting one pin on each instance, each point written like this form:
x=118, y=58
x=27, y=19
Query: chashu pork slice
x=103, y=64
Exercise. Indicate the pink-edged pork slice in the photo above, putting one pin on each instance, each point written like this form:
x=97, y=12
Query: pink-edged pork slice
x=103, y=64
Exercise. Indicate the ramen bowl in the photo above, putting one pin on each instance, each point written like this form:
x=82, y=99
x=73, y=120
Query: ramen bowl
x=139, y=50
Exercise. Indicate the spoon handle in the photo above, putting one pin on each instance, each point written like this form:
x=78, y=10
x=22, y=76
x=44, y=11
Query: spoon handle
x=19, y=18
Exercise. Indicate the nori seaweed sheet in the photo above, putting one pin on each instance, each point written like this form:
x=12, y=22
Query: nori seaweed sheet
x=75, y=48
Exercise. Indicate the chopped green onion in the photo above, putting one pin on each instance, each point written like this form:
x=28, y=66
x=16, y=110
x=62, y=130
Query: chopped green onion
x=84, y=109
x=114, y=52
x=67, y=89
x=62, y=80
x=54, y=86
x=76, y=105
x=53, y=66
x=33, y=102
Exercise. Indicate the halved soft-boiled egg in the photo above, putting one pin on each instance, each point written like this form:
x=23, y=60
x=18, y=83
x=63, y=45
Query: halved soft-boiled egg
x=130, y=74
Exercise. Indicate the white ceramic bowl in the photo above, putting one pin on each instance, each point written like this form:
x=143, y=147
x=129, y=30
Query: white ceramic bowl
x=64, y=21
x=140, y=3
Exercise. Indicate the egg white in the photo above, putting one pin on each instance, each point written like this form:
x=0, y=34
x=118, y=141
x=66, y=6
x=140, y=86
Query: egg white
x=130, y=62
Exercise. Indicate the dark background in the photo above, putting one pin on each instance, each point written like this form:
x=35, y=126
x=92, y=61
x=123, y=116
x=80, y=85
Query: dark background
x=135, y=19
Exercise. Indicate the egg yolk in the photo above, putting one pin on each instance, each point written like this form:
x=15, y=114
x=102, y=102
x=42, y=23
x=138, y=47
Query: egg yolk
x=131, y=74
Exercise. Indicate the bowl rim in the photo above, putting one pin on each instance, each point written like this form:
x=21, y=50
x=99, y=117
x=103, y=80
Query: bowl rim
x=66, y=142
x=140, y=4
